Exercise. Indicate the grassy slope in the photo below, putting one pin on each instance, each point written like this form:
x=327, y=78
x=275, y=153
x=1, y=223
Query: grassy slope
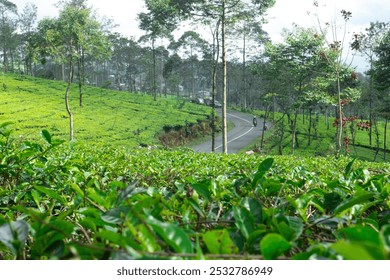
x=109, y=117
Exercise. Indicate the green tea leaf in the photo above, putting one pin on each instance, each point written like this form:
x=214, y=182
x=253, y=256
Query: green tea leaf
x=348, y=168
x=264, y=166
x=5, y=124
x=198, y=249
x=290, y=228
x=273, y=245
x=116, y=215
x=173, y=235
x=385, y=236
x=111, y=236
x=203, y=189
x=66, y=228
x=36, y=197
x=219, y=242
x=46, y=136
x=145, y=237
x=50, y=193
x=332, y=200
x=77, y=189
x=254, y=207
x=360, y=233
x=196, y=207
x=352, y=251
x=244, y=220
x=129, y=191
x=357, y=199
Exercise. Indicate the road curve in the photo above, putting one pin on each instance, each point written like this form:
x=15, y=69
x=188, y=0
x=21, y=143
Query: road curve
x=239, y=137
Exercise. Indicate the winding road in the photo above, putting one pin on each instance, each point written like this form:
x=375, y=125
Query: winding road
x=242, y=135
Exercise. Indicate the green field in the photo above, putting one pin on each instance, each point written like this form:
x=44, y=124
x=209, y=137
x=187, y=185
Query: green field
x=108, y=117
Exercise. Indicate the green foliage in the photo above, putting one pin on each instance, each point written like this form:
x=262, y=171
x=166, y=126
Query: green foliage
x=381, y=68
x=59, y=202
x=273, y=245
x=322, y=135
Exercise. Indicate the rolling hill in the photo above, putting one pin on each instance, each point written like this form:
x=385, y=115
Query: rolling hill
x=110, y=117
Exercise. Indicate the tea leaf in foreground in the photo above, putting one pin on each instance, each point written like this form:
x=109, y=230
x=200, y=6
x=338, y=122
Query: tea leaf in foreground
x=273, y=245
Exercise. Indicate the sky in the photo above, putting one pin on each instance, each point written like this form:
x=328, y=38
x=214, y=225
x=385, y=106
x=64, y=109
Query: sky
x=284, y=14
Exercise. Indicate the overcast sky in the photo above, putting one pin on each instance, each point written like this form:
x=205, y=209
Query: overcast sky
x=282, y=15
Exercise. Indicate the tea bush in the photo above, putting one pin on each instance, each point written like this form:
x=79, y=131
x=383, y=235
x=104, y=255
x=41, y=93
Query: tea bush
x=61, y=201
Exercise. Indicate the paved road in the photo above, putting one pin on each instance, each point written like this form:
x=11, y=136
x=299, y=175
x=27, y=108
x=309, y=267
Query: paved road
x=239, y=137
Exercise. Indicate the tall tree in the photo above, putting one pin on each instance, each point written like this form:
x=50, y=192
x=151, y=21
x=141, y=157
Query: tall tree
x=28, y=33
x=170, y=12
x=339, y=64
x=192, y=45
x=298, y=61
x=381, y=71
x=171, y=73
x=366, y=44
x=157, y=22
x=126, y=59
x=89, y=39
x=65, y=36
x=8, y=11
x=381, y=75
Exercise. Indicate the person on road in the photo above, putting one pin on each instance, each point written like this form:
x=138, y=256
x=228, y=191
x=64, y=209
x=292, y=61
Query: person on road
x=254, y=121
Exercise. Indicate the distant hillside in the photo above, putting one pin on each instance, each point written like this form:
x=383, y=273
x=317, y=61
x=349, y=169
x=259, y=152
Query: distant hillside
x=107, y=117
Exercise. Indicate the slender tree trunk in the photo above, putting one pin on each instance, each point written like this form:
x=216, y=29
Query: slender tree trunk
x=244, y=89
x=370, y=117
x=80, y=77
x=154, y=71
x=309, y=128
x=213, y=93
x=281, y=136
x=370, y=102
x=294, y=132
x=11, y=53
x=384, y=140
x=224, y=80
x=340, y=113
x=192, y=73
x=5, y=57
x=63, y=72
x=264, y=126
x=215, y=59
x=71, y=134
x=377, y=143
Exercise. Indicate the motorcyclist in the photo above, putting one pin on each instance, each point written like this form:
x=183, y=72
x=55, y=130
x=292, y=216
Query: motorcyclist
x=254, y=121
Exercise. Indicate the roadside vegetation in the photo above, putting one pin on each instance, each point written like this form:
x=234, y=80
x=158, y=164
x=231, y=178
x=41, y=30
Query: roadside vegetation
x=316, y=134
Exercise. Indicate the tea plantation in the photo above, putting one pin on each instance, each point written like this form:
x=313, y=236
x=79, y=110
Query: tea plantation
x=94, y=202
x=102, y=197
